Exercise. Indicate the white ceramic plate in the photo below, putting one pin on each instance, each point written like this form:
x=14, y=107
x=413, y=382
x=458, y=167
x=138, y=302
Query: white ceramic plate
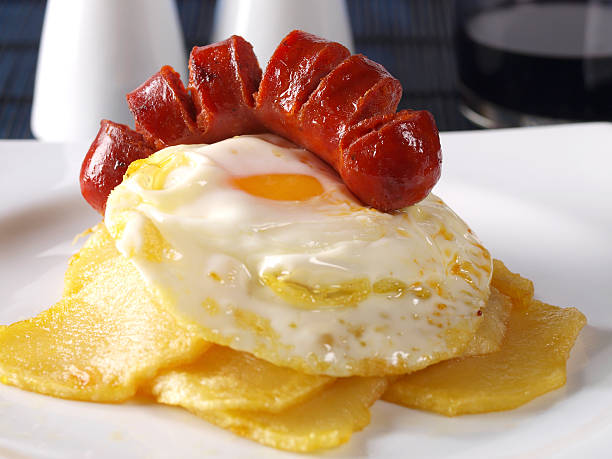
x=540, y=199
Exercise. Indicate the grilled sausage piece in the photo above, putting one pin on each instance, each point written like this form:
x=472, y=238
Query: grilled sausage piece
x=396, y=163
x=294, y=71
x=223, y=78
x=109, y=156
x=163, y=111
x=356, y=89
x=342, y=108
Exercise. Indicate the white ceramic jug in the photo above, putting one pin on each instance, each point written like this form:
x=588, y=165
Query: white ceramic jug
x=92, y=53
x=265, y=23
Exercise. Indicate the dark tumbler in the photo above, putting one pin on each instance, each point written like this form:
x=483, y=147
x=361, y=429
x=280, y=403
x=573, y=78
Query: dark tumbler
x=534, y=62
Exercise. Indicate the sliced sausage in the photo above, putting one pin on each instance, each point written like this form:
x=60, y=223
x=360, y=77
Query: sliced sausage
x=107, y=159
x=163, y=110
x=223, y=78
x=294, y=71
x=356, y=89
x=394, y=165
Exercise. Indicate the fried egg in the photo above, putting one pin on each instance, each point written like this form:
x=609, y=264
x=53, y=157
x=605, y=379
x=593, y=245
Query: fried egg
x=261, y=245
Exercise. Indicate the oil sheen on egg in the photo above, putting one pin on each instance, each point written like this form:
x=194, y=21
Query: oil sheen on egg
x=262, y=245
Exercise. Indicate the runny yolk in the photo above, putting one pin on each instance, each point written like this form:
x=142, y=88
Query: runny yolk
x=280, y=187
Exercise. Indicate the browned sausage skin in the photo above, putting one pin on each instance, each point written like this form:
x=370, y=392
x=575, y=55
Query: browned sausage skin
x=294, y=71
x=222, y=79
x=163, y=111
x=108, y=157
x=396, y=163
x=356, y=89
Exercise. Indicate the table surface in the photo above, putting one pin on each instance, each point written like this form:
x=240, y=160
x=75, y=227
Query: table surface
x=412, y=39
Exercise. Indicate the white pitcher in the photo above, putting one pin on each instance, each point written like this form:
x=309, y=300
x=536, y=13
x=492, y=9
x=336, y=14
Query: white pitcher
x=265, y=23
x=92, y=53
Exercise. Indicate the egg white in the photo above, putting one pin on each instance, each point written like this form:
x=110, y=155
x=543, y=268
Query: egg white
x=323, y=285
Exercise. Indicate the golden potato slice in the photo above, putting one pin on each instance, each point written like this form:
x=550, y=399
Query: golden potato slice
x=490, y=333
x=519, y=289
x=324, y=421
x=98, y=252
x=225, y=379
x=531, y=362
x=101, y=342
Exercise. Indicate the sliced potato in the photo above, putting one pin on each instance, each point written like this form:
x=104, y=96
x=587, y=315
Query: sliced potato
x=97, y=253
x=324, y=421
x=102, y=340
x=519, y=289
x=490, y=333
x=531, y=362
x=224, y=379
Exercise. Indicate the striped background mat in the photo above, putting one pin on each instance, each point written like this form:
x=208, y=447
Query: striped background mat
x=411, y=38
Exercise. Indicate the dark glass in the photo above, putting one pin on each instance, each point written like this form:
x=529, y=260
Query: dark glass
x=538, y=60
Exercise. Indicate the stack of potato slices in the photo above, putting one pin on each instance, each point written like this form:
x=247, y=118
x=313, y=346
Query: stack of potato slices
x=109, y=338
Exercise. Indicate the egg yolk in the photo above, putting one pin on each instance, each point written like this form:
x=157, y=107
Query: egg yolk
x=280, y=187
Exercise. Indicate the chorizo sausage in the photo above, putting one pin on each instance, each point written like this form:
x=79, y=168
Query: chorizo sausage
x=107, y=159
x=346, y=115
x=356, y=89
x=313, y=92
x=396, y=163
x=294, y=71
x=163, y=111
x=223, y=78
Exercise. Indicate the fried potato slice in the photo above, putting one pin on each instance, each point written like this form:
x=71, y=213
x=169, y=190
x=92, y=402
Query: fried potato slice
x=324, y=421
x=519, y=289
x=103, y=339
x=97, y=253
x=490, y=333
x=225, y=379
x=531, y=362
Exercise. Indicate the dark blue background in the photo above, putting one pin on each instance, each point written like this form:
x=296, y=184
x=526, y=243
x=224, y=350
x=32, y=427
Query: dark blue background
x=411, y=38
